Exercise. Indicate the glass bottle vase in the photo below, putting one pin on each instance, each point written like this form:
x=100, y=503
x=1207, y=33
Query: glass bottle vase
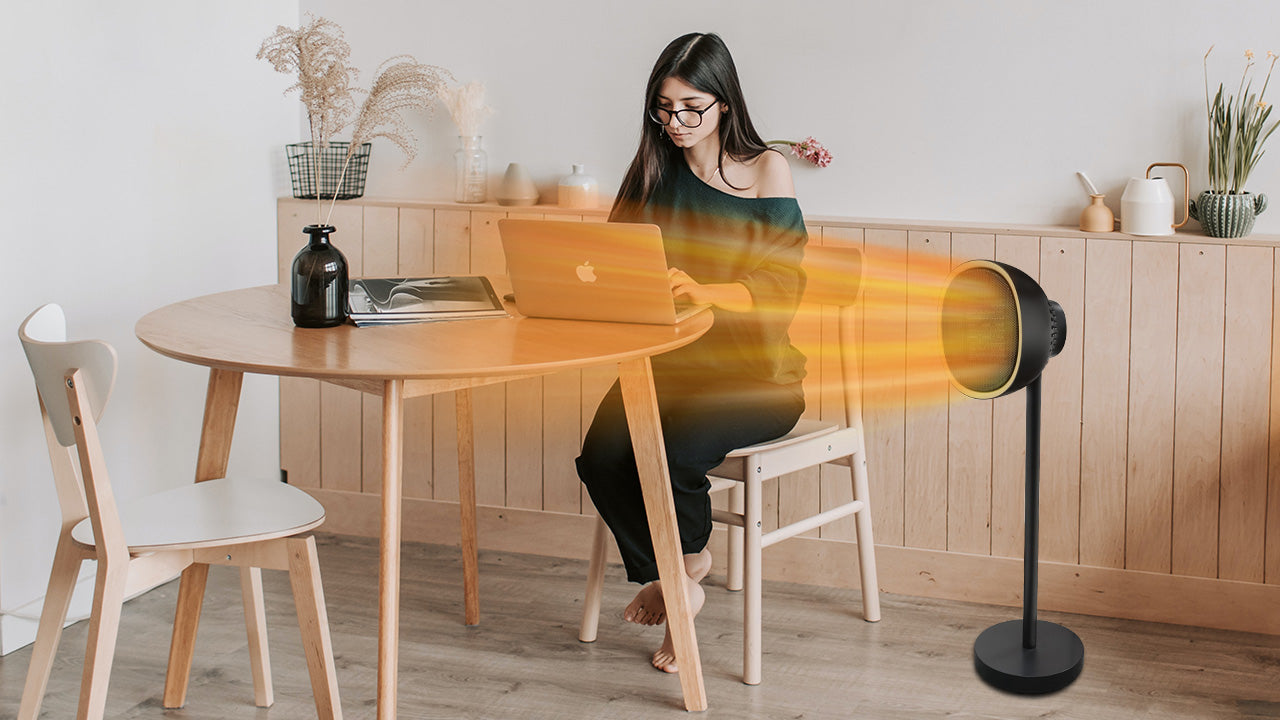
x=319, y=281
x=471, y=181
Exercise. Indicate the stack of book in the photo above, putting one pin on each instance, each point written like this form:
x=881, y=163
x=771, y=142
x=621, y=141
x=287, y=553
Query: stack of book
x=392, y=301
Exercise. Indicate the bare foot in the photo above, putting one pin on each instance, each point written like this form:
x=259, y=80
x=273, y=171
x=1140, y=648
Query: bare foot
x=665, y=658
x=647, y=608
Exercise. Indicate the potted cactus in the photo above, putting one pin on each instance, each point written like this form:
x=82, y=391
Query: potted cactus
x=1237, y=131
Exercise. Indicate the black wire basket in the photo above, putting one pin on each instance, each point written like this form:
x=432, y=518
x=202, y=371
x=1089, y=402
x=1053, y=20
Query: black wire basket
x=312, y=169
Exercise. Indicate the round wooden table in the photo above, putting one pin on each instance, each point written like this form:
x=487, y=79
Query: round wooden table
x=250, y=331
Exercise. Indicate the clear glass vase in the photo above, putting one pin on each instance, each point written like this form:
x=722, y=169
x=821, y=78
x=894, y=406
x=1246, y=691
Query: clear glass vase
x=471, y=181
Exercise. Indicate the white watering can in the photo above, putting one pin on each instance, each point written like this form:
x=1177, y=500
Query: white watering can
x=1146, y=208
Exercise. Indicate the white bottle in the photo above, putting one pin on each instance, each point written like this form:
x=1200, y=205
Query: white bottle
x=578, y=190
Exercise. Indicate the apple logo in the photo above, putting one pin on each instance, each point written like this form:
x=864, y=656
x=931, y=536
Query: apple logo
x=586, y=273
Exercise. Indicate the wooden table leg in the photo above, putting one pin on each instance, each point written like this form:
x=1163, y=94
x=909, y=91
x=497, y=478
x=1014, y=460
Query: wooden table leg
x=222, y=400
x=389, y=548
x=641, y=403
x=467, y=507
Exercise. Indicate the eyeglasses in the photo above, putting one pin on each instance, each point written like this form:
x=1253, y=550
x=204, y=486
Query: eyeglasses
x=687, y=117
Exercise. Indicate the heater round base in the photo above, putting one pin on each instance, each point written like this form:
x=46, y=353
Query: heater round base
x=1054, y=663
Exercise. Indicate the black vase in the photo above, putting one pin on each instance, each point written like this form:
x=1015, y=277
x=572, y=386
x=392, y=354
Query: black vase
x=319, y=281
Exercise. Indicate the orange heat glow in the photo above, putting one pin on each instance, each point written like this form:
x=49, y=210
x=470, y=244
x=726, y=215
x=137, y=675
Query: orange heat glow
x=900, y=348
x=899, y=312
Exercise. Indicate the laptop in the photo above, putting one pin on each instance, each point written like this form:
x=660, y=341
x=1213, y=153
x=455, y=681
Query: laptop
x=615, y=272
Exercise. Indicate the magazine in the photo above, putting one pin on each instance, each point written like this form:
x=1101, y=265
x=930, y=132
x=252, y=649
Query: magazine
x=390, y=301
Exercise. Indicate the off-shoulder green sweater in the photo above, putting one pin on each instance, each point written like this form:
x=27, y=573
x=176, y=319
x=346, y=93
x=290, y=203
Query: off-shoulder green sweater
x=717, y=237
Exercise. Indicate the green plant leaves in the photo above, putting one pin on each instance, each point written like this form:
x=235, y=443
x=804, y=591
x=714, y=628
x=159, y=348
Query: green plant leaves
x=1237, y=131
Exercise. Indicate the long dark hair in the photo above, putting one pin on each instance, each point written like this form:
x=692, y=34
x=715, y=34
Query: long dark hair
x=703, y=61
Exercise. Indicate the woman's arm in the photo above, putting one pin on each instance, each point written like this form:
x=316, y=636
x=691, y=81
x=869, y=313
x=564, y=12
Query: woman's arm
x=773, y=179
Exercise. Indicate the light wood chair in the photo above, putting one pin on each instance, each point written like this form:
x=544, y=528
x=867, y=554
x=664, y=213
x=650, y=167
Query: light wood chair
x=834, y=278
x=242, y=523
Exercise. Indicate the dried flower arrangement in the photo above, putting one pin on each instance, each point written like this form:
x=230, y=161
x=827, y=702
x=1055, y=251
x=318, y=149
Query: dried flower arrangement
x=807, y=149
x=466, y=107
x=318, y=54
x=402, y=83
x=1236, y=128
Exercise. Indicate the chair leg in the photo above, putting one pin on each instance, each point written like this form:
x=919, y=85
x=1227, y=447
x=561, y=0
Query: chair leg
x=186, y=620
x=313, y=621
x=595, y=584
x=751, y=600
x=57, y=598
x=866, y=543
x=104, y=626
x=734, y=575
x=255, y=622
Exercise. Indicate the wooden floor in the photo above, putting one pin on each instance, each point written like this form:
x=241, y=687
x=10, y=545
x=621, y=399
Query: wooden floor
x=524, y=660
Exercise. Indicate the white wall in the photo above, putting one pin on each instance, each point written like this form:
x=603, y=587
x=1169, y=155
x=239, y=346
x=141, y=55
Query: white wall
x=934, y=109
x=142, y=160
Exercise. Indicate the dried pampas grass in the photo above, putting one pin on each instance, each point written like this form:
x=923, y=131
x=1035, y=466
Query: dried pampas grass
x=402, y=82
x=466, y=106
x=317, y=53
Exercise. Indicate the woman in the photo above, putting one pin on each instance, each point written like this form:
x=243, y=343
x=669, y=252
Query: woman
x=734, y=237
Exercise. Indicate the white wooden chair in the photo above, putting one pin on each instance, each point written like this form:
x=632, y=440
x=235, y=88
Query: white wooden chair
x=834, y=278
x=243, y=523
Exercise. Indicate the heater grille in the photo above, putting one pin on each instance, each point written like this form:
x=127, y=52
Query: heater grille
x=981, y=330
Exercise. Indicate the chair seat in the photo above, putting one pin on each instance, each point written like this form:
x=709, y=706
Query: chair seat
x=810, y=443
x=216, y=512
x=804, y=430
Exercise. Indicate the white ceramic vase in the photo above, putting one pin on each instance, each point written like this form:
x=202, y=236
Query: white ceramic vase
x=578, y=190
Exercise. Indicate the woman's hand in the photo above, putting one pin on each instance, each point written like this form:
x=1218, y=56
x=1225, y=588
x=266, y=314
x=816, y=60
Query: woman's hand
x=733, y=297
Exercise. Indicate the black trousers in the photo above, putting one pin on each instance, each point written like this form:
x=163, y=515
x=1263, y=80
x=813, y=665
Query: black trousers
x=703, y=419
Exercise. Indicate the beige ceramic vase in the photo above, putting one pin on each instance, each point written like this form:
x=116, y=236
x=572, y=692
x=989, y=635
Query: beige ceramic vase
x=517, y=187
x=1097, y=217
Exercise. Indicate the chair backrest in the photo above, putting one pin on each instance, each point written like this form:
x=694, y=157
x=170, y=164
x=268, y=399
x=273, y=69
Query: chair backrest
x=74, y=381
x=834, y=277
x=52, y=358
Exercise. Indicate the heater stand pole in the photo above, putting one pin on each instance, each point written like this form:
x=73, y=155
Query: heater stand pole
x=1031, y=656
x=1031, y=517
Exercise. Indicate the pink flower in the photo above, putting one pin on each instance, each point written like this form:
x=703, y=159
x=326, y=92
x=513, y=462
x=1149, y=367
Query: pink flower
x=807, y=149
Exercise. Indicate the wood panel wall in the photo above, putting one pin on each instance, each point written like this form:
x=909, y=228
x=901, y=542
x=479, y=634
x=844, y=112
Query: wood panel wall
x=1158, y=454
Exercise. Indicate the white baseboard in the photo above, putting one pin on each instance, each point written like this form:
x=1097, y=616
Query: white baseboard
x=18, y=625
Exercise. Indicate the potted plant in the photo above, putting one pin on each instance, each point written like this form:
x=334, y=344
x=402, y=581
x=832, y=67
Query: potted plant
x=1237, y=131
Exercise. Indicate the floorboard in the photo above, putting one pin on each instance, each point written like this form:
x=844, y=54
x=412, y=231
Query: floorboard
x=524, y=660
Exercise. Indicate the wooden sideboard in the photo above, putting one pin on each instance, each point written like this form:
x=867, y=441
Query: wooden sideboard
x=1160, y=472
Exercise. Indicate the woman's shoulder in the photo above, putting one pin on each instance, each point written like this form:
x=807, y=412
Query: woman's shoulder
x=767, y=175
x=773, y=175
